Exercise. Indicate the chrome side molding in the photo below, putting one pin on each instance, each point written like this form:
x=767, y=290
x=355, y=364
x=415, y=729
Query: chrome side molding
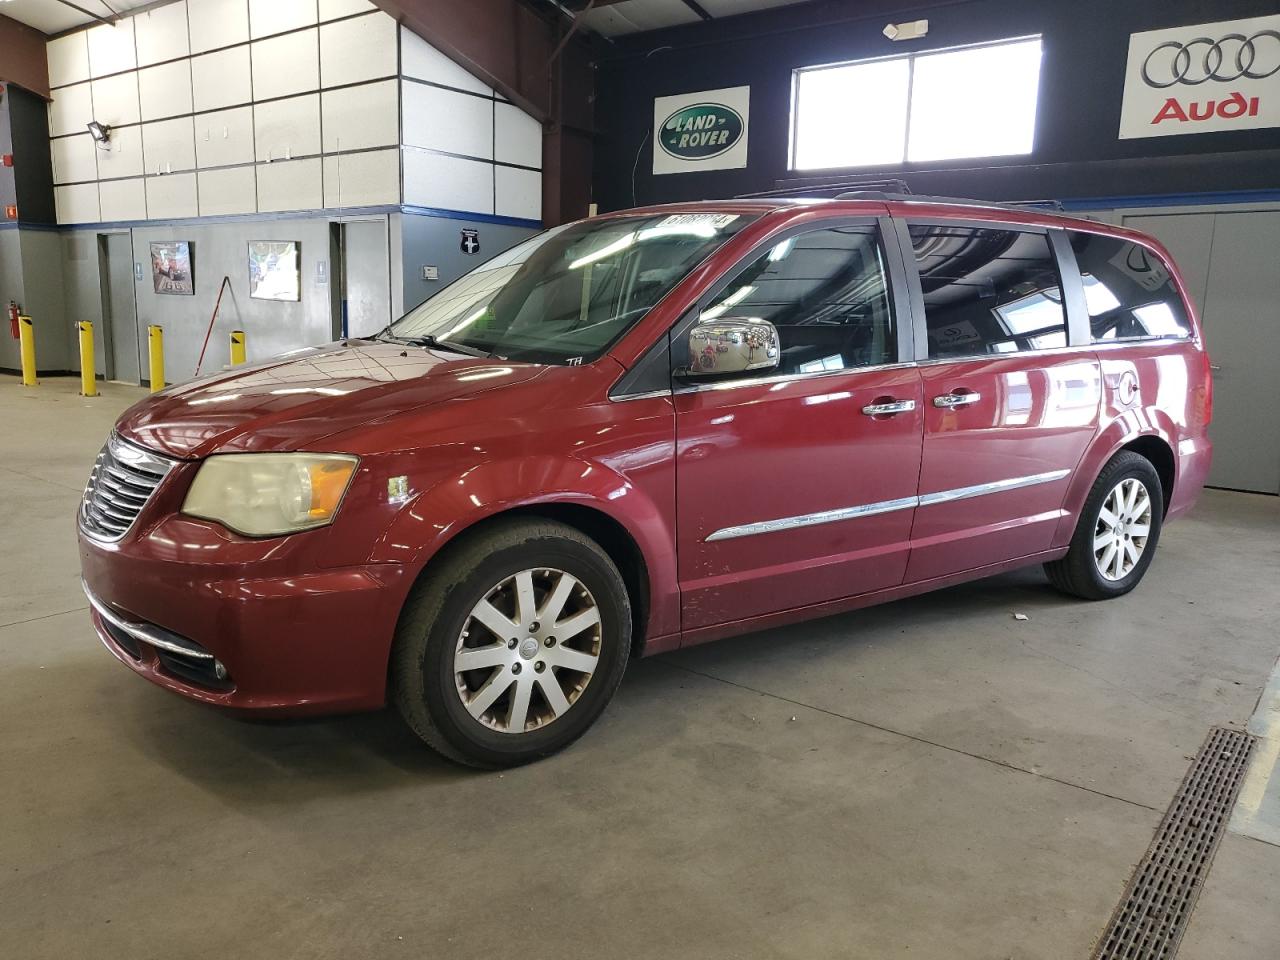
x=884, y=506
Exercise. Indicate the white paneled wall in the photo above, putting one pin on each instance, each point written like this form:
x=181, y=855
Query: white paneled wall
x=267, y=17
x=362, y=179
x=68, y=59
x=216, y=23
x=221, y=78
x=226, y=191
x=123, y=200
x=357, y=118
x=165, y=91
x=161, y=34
x=285, y=65
x=227, y=107
x=122, y=157
x=115, y=99
x=352, y=51
x=111, y=48
x=284, y=129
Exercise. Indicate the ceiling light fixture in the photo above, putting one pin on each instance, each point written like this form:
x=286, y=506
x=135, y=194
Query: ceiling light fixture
x=912, y=30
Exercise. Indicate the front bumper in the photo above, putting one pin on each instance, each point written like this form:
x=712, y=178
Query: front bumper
x=263, y=630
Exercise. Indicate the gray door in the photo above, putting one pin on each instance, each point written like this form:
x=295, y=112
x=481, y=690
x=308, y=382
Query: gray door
x=366, y=277
x=118, y=308
x=1242, y=329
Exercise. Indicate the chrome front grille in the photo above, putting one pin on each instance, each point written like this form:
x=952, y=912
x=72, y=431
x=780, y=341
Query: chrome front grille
x=124, y=477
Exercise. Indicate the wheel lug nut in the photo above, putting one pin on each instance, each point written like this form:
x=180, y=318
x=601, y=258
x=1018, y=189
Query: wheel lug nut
x=515, y=668
x=533, y=627
x=539, y=666
x=550, y=641
x=511, y=644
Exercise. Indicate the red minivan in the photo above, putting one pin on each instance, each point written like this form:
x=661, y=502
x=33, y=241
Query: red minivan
x=642, y=431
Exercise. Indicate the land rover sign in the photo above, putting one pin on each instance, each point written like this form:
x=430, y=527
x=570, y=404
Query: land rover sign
x=701, y=131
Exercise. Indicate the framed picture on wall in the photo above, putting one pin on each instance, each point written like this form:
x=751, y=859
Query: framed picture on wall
x=274, y=270
x=171, y=268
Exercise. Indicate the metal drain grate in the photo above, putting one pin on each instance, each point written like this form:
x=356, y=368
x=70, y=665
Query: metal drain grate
x=1157, y=905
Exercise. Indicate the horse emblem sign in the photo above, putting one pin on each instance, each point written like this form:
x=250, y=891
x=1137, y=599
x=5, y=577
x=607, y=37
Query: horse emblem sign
x=701, y=131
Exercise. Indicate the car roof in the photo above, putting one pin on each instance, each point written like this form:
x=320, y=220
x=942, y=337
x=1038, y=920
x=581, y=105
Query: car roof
x=900, y=205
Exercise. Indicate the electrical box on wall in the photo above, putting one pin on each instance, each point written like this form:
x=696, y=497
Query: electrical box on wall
x=430, y=273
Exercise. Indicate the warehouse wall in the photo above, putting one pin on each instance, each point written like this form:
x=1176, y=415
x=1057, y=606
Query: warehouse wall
x=242, y=120
x=1077, y=151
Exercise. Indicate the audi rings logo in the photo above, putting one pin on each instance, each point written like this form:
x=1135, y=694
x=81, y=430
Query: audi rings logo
x=1230, y=58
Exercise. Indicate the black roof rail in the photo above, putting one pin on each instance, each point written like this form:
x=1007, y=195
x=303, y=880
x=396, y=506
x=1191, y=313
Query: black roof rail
x=1055, y=205
x=824, y=190
x=894, y=190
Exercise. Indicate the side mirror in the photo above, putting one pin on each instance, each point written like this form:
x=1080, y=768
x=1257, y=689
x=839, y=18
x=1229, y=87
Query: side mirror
x=732, y=345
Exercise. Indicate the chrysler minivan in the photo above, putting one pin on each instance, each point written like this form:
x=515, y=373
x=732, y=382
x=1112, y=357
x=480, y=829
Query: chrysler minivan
x=642, y=431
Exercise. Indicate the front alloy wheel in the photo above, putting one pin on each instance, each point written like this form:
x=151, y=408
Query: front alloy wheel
x=512, y=644
x=528, y=650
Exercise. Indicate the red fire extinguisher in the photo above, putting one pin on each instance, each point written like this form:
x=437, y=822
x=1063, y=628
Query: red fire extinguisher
x=13, y=319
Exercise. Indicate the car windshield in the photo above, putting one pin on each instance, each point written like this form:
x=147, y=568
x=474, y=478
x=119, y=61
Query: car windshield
x=566, y=295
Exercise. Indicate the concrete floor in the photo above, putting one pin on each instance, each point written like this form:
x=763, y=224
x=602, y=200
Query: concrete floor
x=927, y=779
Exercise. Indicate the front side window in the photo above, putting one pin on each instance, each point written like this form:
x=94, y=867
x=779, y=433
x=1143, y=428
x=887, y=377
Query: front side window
x=566, y=295
x=826, y=292
x=1128, y=290
x=988, y=290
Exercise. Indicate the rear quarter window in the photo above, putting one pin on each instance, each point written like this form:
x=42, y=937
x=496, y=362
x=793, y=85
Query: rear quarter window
x=1128, y=289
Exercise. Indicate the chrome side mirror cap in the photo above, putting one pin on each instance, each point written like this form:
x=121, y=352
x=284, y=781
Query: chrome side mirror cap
x=732, y=345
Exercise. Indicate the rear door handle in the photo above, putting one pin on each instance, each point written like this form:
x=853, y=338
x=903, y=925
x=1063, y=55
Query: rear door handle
x=889, y=408
x=949, y=401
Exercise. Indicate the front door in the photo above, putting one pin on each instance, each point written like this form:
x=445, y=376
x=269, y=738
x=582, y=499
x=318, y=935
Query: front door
x=797, y=485
x=1009, y=410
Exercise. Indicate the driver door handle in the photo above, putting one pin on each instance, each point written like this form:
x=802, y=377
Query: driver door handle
x=949, y=401
x=889, y=408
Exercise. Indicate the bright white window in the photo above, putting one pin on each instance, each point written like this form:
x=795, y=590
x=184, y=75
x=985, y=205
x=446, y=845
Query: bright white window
x=975, y=101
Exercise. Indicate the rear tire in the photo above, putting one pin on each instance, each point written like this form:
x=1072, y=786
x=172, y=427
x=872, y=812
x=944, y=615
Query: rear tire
x=1117, y=533
x=512, y=645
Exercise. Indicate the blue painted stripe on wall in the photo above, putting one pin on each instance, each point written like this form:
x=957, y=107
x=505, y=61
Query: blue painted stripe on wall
x=321, y=214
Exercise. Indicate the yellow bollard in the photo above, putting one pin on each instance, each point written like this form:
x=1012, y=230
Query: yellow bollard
x=27, y=341
x=155, y=353
x=88, y=374
x=237, y=347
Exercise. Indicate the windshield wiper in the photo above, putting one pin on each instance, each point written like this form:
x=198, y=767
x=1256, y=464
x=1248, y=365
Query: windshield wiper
x=428, y=340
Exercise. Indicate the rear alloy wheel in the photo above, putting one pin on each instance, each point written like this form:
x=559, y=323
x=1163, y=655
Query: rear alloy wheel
x=1121, y=532
x=512, y=644
x=1117, y=532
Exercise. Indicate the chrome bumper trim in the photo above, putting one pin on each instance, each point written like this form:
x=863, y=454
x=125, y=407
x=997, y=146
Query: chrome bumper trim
x=140, y=631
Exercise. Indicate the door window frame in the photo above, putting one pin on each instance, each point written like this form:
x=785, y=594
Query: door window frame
x=1064, y=261
x=897, y=285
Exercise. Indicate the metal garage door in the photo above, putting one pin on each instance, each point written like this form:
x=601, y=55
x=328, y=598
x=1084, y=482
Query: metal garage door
x=1232, y=265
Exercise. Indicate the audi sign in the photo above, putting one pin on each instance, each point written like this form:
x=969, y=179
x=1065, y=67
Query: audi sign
x=1204, y=78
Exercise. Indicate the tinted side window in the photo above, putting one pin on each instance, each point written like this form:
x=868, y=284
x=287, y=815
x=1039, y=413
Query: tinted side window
x=1128, y=289
x=988, y=290
x=827, y=292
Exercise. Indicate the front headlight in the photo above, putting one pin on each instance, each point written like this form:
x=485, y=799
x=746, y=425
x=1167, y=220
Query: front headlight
x=268, y=494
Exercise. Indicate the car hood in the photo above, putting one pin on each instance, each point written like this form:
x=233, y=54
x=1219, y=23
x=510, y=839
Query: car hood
x=293, y=401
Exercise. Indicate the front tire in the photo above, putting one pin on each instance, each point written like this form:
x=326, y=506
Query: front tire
x=513, y=645
x=1117, y=532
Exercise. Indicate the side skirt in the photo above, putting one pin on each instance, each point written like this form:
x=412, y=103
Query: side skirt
x=830, y=607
